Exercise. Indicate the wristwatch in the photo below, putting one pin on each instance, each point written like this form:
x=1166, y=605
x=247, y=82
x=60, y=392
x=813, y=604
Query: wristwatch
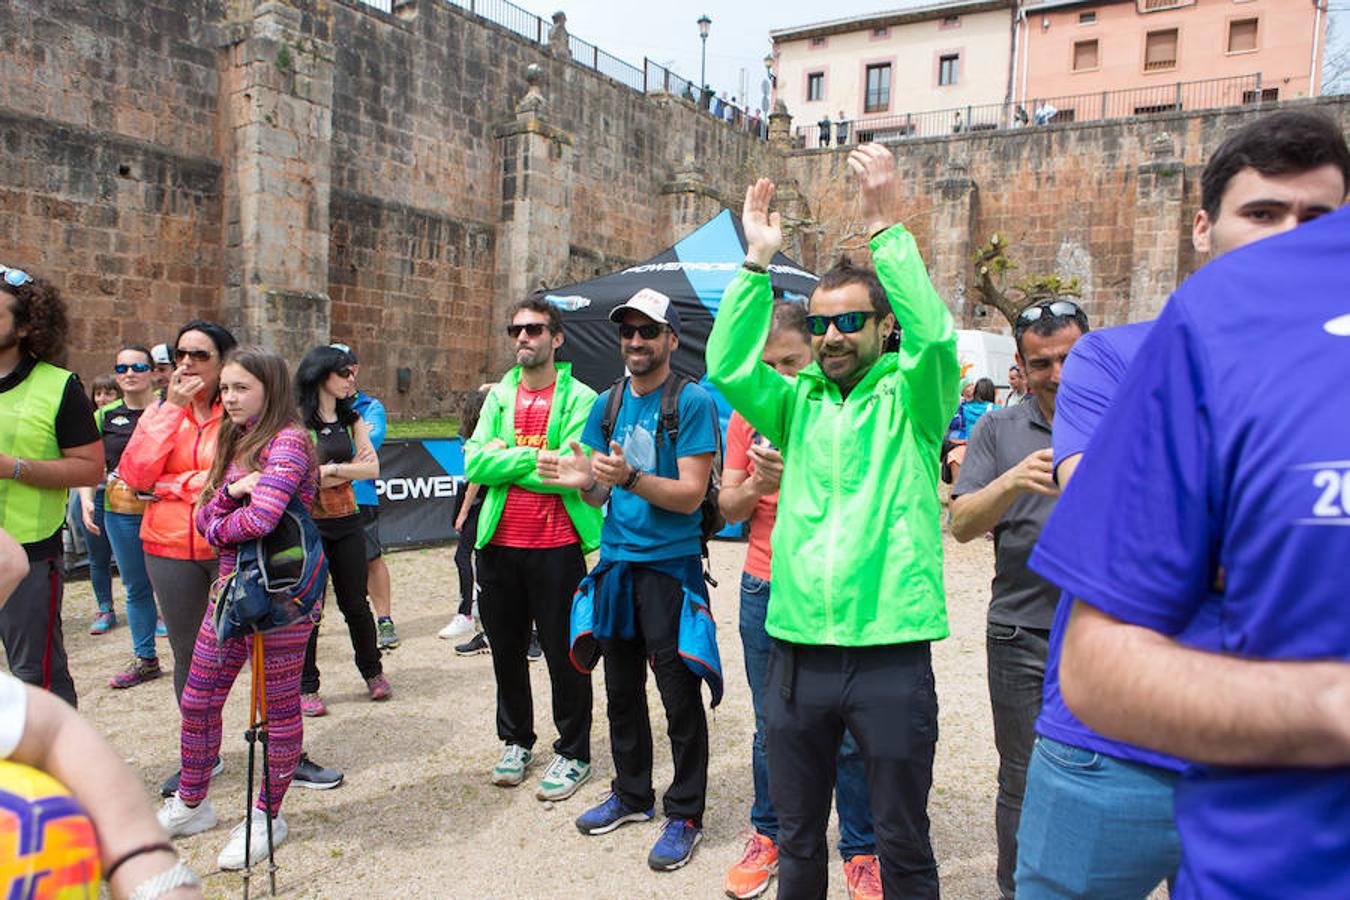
x=631, y=481
x=169, y=880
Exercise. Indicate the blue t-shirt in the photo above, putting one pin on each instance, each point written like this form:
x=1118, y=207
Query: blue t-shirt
x=372, y=411
x=1092, y=374
x=1218, y=452
x=635, y=530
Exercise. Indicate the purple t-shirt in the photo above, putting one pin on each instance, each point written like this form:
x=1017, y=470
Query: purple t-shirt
x=1092, y=374
x=1219, y=451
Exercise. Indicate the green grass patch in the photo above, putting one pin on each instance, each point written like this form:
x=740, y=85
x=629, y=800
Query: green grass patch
x=444, y=427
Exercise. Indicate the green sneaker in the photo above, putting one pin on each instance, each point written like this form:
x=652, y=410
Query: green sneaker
x=563, y=778
x=387, y=636
x=510, y=770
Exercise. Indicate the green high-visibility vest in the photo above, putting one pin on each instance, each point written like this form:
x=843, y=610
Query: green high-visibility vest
x=28, y=430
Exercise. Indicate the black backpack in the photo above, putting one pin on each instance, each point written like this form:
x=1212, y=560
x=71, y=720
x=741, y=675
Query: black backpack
x=710, y=513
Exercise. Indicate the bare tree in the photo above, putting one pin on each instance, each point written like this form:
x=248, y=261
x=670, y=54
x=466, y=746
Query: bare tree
x=992, y=268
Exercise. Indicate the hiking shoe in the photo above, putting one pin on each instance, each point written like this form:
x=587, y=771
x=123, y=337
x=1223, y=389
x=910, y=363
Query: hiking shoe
x=510, y=769
x=474, y=646
x=563, y=778
x=309, y=774
x=862, y=875
x=181, y=820
x=675, y=846
x=611, y=813
x=379, y=687
x=104, y=620
x=232, y=857
x=311, y=706
x=535, y=652
x=459, y=626
x=161, y=630
x=387, y=637
x=136, y=672
x=170, y=786
x=751, y=876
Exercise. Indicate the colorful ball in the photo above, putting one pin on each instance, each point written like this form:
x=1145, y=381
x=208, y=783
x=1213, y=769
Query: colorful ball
x=48, y=848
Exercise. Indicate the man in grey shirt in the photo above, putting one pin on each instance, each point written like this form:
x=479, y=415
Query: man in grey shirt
x=1007, y=486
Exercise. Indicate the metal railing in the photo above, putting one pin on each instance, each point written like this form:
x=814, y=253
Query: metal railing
x=650, y=78
x=1160, y=98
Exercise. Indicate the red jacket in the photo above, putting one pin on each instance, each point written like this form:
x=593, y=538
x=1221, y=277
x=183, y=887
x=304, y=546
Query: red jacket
x=169, y=455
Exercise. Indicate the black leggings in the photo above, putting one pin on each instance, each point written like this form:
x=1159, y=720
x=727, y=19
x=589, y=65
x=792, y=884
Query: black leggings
x=464, y=559
x=344, y=543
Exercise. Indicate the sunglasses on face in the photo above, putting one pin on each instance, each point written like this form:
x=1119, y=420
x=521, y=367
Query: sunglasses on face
x=1063, y=308
x=343, y=373
x=845, y=323
x=124, y=368
x=15, y=277
x=181, y=354
x=649, y=332
x=533, y=329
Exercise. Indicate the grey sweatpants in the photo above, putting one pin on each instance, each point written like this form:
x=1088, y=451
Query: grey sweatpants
x=183, y=587
x=30, y=627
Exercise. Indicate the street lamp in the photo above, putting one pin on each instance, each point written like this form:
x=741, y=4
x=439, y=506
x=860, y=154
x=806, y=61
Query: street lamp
x=704, y=23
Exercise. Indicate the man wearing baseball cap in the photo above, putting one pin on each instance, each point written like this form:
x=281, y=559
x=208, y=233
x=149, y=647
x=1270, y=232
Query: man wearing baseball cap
x=163, y=360
x=650, y=565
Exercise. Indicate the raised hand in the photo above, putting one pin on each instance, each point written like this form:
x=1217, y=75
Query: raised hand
x=763, y=229
x=612, y=469
x=877, y=183
x=572, y=471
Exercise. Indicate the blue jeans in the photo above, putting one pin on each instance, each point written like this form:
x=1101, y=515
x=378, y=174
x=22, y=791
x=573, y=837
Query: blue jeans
x=1094, y=826
x=850, y=787
x=123, y=531
x=100, y=551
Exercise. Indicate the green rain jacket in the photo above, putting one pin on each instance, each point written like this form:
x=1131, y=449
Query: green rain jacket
x=857, y=548
x=498, y=469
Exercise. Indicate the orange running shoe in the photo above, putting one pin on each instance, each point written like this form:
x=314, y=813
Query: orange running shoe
x=750, y=877
x=863, y=874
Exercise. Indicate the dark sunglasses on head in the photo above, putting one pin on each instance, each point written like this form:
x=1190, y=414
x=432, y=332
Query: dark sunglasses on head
x=649, y=332
x=181, y=354
x=1064, y=308
x=846, y=323
x=124, y=368
x=343, y=372
x=533, y=329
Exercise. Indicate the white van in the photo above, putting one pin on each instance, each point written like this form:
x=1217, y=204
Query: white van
x=984, y=354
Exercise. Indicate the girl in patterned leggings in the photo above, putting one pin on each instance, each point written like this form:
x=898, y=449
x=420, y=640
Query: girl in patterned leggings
x=262, y=459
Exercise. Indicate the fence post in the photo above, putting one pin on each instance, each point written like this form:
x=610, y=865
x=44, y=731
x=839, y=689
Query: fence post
x=1104, y=102
x=538, y=29
x=1258, y=88
x=1178, y=95
x=644, y=74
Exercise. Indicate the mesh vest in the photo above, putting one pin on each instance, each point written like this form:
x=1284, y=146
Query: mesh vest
x=28, y=430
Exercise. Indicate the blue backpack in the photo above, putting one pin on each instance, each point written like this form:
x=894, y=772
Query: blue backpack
x=277, y=580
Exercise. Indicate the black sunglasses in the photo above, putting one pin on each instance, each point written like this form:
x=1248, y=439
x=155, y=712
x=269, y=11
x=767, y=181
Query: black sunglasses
x=197, y=355
x=649, y=332
x=847, y=323
x=343, y=372
x=124, y=368
x=1062, y=308
x=533, y=329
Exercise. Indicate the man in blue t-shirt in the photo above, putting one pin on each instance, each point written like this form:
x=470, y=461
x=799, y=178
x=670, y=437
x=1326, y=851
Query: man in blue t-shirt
x=650, y=549
x=1213, y=546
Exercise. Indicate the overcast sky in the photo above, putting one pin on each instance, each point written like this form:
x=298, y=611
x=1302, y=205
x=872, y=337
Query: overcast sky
x=667, y=32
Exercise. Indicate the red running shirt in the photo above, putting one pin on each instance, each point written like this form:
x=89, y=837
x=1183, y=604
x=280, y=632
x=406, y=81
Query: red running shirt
x=758, y=556
x=531, y=520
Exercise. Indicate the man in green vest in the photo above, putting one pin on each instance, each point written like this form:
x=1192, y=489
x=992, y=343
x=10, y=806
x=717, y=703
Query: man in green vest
x=48, y=443
x=857, y=548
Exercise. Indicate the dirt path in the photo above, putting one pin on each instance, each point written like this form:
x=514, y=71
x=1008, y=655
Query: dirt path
x=418, y=817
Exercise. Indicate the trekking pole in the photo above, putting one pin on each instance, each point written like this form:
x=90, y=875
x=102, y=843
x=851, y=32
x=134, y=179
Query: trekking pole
x=258, y=733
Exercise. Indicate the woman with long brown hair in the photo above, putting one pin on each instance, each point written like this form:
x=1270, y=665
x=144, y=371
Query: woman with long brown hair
x=263, y=459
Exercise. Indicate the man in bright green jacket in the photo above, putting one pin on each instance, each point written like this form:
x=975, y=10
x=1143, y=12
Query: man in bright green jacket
x=857, y=549
x=532, y=541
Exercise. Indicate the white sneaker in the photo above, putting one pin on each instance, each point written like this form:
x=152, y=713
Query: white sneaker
x=232, y=857
x=460, y=626
x=181, y=820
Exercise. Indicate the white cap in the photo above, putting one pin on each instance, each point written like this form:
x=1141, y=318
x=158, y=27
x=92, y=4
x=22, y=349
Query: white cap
x=652, y=304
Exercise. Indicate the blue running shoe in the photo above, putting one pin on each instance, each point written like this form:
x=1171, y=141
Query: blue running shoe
x=675, y=846
x=609, y=815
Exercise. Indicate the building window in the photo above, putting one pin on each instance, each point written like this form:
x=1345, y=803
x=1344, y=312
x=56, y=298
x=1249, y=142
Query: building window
x=1085, y=55
x=1087, y=18
x=815, y=87
x=1160, y=50
x=1242, y=36
x=880, y=32
x=878, y=98
x=1155, y=5
x=817, y=42
x=950, y=22
x=947, y=68
x=1267, y=95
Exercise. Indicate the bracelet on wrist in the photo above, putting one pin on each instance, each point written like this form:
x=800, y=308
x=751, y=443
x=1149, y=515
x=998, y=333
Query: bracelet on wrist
x=754, y=267
x=590, y=487
x=631, y=481
x=138, y=851
x=169, y=880
x=20, y=466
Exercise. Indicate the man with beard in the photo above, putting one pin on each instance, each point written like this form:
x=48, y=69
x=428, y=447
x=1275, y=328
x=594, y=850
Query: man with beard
x=857, y=548
x=48, y=443
x=532, y=541
x=650, y=564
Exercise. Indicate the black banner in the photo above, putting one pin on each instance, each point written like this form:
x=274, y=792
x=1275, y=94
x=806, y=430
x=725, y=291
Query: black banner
x=418, y=484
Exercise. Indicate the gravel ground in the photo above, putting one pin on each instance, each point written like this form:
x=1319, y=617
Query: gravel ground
x=418, y=817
